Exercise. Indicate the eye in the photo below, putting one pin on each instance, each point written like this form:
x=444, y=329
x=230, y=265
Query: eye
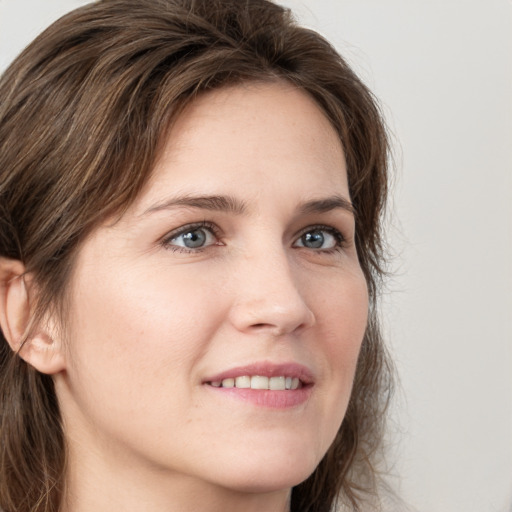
x=191, y=237
x=320, y=238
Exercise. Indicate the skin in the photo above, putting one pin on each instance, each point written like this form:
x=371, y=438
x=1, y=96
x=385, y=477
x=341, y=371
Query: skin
x=150, y=320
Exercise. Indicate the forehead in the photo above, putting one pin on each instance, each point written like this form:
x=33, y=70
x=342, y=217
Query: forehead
x=249, y=138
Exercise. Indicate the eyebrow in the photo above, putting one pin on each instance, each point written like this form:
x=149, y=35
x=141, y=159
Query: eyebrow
x=327, y=204
x=231, y=204
x=216, y=203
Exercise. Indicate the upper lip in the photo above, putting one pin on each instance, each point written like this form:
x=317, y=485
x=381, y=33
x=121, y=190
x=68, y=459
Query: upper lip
x=266, y=369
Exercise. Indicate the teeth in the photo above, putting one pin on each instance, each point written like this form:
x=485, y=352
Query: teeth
x=258, y=382
x=243, y=382
x=228, y=383
x=276, y=383
x=280, y=383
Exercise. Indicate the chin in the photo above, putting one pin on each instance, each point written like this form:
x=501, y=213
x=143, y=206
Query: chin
x=257, y=483
x=270, y=473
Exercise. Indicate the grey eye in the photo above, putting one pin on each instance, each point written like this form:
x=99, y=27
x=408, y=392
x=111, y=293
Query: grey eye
x=313, y=240
x=194, y=238
x=317, y=239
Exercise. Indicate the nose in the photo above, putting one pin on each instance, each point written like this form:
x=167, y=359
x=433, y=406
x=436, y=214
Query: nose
x=268, y=297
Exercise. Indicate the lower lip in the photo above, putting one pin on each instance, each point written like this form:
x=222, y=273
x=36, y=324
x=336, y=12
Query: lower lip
x=266, y=397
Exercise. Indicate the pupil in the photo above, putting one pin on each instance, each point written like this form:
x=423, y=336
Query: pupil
x=194, y=239
x=315, y=239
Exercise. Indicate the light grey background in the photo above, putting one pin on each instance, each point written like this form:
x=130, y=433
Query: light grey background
x=443, y=70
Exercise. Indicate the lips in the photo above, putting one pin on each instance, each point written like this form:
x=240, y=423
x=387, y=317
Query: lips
x=264, y=376
x=265, y=385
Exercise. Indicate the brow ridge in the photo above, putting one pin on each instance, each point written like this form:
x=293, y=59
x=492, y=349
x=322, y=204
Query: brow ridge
x=327, y=204
x=209, y=202
x=231, y=204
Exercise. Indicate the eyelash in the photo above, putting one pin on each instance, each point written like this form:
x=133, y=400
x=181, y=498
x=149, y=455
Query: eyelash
x=215, y=231
x=166, y=242
x=335, y=233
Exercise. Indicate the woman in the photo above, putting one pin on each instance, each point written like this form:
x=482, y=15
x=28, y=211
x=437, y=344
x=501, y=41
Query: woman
x=191, y=196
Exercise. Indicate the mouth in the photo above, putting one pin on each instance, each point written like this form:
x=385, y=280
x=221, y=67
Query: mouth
x=279, y=383
x=265, y=384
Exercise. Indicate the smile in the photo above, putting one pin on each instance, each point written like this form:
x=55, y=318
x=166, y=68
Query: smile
x=265, y=384
x=278, y=383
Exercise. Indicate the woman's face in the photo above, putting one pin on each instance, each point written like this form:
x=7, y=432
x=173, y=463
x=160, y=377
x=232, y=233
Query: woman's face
x=235, y=267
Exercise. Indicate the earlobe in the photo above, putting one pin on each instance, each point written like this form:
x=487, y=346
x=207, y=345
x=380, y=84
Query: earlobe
x=37, y=345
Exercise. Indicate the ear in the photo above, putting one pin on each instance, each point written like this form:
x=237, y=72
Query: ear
x=40, y=346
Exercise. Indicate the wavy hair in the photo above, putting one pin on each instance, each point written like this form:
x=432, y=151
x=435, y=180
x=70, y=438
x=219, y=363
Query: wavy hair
x=83, y=112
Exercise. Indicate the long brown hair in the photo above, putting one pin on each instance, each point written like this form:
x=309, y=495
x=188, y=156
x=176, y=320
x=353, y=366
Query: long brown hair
x=82, y=113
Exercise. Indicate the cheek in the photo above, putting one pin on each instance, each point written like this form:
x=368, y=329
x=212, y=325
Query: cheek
x=344, y=320
x=344, y=314
x=134, y=340
x=140, y=325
